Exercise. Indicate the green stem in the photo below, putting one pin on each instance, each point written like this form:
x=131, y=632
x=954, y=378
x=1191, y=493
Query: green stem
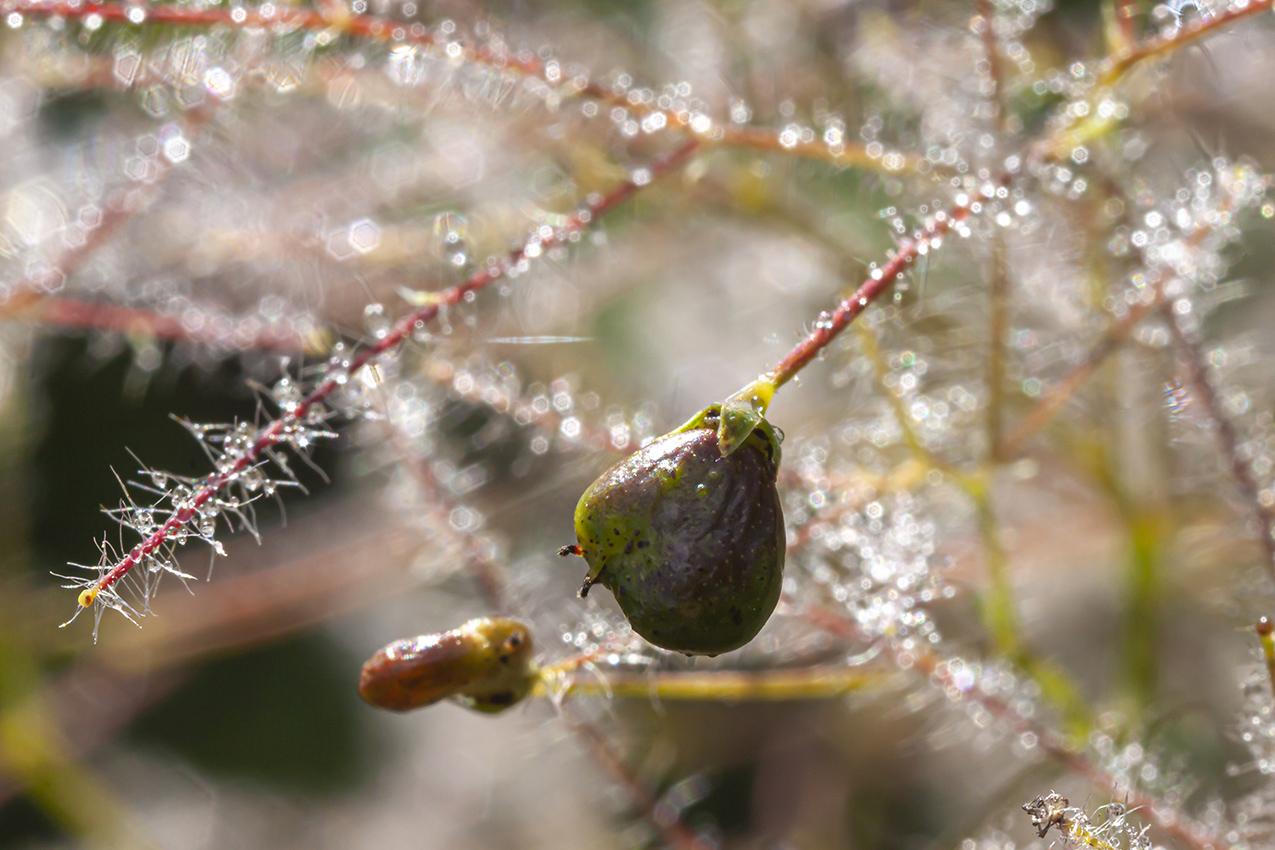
x=999, y=616
x=998, y=321
x=1141, y=605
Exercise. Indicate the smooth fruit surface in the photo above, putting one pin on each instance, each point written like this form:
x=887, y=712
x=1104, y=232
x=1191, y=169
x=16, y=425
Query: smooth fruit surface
x=485, y=664
x=689, y=541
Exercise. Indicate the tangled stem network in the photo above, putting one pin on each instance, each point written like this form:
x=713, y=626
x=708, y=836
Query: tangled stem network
x=295, y=428
x=863, y=540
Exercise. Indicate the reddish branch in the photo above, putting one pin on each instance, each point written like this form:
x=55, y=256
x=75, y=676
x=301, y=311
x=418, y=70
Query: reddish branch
x=334, y=18
x=125, y=205
x=1165, y=817
x=939, y=671
x=1054, y=401
x=987, y=17
x=1206, y=392
x=440, y=505
x=830, y=325
x=71, y=312
x=1117, y=64
x=676, y=833
x=278, y=431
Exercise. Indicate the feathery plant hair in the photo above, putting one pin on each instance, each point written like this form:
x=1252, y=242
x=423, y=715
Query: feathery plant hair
x=1002, y=266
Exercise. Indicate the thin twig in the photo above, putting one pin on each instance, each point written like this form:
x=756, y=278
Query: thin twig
x=939, y=670
x=998, y=327
x=441, y=505
x=677, y=834
x=881, y=370
x=1116, y=65
x=998, y=317
x=336, y=20
x=124, y=207
x=995, y=69
x=1054, y=400
x=73, y=313
x=830, y=325
x=1167, y=817
x=999, y=615
x=1204, y=390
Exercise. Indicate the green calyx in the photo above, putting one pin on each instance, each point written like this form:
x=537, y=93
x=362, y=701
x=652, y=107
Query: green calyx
x=742, y=415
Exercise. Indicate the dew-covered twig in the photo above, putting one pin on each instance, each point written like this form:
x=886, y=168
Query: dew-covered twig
x=830, y=325
x=677, y=833
x=881, y=370
x=333, y=20
x=1167, y=817
x=526, y=411
x=1053, y=401
x=1202, y=384
x=70, y=312
x=905, y=476
x=997, y=328
x=295, y=427
x=1113, y=832
x=1116, y=65
x=126, y=205
x=986, y=22
x=949, y=676
x=441, y=506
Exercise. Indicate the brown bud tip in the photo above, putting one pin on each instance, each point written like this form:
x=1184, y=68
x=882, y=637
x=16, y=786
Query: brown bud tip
x=570, y=549
x=1265, y=627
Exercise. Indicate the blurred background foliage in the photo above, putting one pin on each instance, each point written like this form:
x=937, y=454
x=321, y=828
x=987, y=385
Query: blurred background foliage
x=231, y=719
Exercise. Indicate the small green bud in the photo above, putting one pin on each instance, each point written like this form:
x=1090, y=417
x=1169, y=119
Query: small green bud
x=688, y=533
x=485, y=665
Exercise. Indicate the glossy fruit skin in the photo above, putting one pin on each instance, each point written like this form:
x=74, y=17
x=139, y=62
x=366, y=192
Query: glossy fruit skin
x=689, y=541
x=485, y=665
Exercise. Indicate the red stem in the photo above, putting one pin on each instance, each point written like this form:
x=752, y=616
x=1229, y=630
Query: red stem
x=1116, y=65
x=275, y=432
x=373, y=28
x=1206, y=392
x=937, y=670
x=71, y=312
x=829, y=326
x=995, y=73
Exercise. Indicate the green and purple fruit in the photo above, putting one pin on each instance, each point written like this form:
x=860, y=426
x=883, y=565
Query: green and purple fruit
x=688, y=534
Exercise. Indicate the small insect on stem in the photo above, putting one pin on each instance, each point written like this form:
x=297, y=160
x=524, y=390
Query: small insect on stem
x=1046, y=811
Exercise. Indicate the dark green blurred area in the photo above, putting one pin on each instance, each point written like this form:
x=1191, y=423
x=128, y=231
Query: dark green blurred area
x=284, y=715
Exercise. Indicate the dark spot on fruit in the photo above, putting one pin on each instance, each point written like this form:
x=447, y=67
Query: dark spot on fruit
x=502, y=698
